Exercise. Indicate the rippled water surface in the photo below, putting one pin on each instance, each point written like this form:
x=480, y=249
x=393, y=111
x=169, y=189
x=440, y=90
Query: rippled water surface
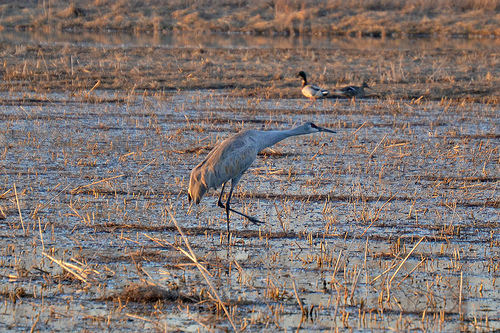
x=391, y=223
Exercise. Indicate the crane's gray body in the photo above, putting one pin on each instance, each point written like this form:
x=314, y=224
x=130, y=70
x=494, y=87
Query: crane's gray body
x=230, y=158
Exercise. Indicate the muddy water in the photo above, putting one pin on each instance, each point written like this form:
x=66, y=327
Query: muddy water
x=390, y=223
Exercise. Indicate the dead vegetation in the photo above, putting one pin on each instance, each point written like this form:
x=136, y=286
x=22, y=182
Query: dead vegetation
x=385, y=18
x=452, y=74
x=149, y=294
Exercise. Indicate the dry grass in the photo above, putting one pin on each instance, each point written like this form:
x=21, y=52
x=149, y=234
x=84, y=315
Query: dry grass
x=358, y=18
x=435, y=74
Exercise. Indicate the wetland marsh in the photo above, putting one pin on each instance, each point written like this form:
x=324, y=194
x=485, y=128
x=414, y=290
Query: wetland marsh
x=392, y=223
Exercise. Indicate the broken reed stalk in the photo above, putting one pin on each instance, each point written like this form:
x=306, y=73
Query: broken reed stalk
x=198, y=265
x=45, y=63
x=356, y=131
x=37, y=319
x=304, y=311
x=98, y=83
x=134, y=316
x=414, y=268
x=335, y=270
x=68, y=267
x=406, y=258
x=354, y=284
x=460, y=297
x=376, y=147
x=319, y=151
x=383, y=273
x=152, y=161
x=41, y=234
x=4, y=193
x=378, y=213
x=19, y=208
x=51, y=199
x=400, y=265
x=97, y=182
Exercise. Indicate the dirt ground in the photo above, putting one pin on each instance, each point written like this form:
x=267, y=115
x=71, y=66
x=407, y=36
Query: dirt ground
x=391, y=223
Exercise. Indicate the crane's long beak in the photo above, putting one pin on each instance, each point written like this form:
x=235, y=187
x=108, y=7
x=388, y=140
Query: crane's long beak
x=322, y=129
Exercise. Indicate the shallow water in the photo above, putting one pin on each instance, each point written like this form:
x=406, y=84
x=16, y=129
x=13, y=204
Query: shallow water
x=96, y=182
x=223, y=41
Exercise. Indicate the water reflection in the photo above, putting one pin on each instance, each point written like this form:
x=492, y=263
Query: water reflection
x=220, y=40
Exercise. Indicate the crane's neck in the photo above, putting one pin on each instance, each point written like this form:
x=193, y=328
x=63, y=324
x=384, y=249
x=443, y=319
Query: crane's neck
x=269, y=138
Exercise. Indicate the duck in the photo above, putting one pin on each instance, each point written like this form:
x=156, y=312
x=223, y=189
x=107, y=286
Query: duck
x=311, y=91
x=354, y=91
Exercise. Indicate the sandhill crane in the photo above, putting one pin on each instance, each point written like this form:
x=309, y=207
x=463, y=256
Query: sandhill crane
x=229, y=159
x=354, y=91
x=310, y=90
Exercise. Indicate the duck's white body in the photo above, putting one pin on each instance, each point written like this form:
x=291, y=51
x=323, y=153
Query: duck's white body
x=310, y=90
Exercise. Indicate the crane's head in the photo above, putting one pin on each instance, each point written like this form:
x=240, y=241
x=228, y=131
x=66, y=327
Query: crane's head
x=196, y=193
x=313, y=128
x=197, y=187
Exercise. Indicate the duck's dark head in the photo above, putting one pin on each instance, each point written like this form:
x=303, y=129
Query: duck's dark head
x=302, y=74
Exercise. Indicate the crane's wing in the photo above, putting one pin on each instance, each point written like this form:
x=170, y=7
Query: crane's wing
x=227, y=161
x=230, y=159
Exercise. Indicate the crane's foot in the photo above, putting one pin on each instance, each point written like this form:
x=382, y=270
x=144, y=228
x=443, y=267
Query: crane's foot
x=250, y=218
x=254, y=220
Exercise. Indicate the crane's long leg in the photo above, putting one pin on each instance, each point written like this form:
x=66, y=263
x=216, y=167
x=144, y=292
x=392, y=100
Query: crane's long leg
x=228, y=208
